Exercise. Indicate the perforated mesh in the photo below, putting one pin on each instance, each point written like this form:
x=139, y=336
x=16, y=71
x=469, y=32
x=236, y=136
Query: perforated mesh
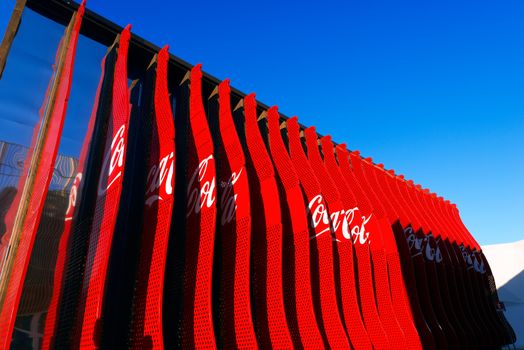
x=331, y=321
x=298, y=285
x=104, y=219
x=148, y=302
x=397, y=285
x=327, y=178
x=74, y=197
x=23, y=218
x=197, y=322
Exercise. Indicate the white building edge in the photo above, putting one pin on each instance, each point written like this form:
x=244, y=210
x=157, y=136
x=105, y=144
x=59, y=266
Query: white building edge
x=507, y=264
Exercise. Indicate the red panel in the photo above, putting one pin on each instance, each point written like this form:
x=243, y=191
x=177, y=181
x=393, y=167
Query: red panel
x=235, y=231
x=147, y=315
x=431, y=256
x=109, y=189
x=74, y=197
x=380, y=273
x=369, y=228
x=472, y=282
x=47, y=135
x=272, y=326
x=300, y=306
x=448, y=289
x=197, y=323
x=325, y=274
x=402, y=255
x=344, y=215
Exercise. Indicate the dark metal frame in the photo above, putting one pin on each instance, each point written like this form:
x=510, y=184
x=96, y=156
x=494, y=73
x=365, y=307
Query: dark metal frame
x=141, y=51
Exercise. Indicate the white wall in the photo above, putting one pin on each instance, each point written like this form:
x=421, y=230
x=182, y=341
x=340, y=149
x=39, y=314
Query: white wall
x=507, y=263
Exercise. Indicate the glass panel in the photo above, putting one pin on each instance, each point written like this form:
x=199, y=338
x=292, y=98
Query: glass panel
x=22, y=91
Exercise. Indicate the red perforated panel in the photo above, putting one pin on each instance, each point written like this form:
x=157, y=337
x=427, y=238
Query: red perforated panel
x=345, y=215
x=197, y=324
x=109, y=190
x=398, y=285
x=321, y=234
x=22, y=220
x=74, y=197
x=380, y=266
x=234, y=224
x=367, y=228
x=300, y=306
x=272, y=326
x=147, y=315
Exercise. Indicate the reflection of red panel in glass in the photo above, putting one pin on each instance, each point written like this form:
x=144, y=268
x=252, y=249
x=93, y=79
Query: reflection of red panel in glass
x=74, y=198
x=234, y=225
x=109, y=189
x=197, y=323
x=24, y=216
x=147, y=315
x=325, y=272
x=300, y=307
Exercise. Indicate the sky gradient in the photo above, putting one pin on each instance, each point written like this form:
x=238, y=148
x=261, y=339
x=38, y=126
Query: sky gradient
x=434, y=90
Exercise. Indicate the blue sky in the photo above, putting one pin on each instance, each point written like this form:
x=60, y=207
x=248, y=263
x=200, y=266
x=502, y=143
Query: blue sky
x=432, y=89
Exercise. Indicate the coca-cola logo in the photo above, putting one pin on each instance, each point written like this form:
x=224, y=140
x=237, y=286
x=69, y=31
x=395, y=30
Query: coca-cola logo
x=321, y=219
x=472, y=260
x=467, y=257
x=478, y=263
x=422, y=246
x=319, y=215
x=201, y=190
x=72, y=197
x=160, y=180
x=228, y=201
x=113, y=161
x=359, y=232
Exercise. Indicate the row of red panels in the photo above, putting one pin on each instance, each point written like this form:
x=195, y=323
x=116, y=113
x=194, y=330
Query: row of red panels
x=219, y=227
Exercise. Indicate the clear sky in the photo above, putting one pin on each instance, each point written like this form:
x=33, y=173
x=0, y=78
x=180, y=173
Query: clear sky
x=432, y=89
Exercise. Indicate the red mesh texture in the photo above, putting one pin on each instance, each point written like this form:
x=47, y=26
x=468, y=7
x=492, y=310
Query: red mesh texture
x=464, y=327
x=197, y=322
x=147, y=316
x=328, y=281
x=378, y=257
x=460, y=296
x=455, y=314
x=74, y=197
x=485, y=282
x=272, y=325
x=416, y=242
x=368, y=303
x=109, y=190
x=234, y=223
x=298, y=285
x=380, y=269
x=476, y=289
x=342, y=218
x=38, y=173
x=402, y=314
x=352, y=313
x=464, y=278
x=446, y=316
x=397, y=284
